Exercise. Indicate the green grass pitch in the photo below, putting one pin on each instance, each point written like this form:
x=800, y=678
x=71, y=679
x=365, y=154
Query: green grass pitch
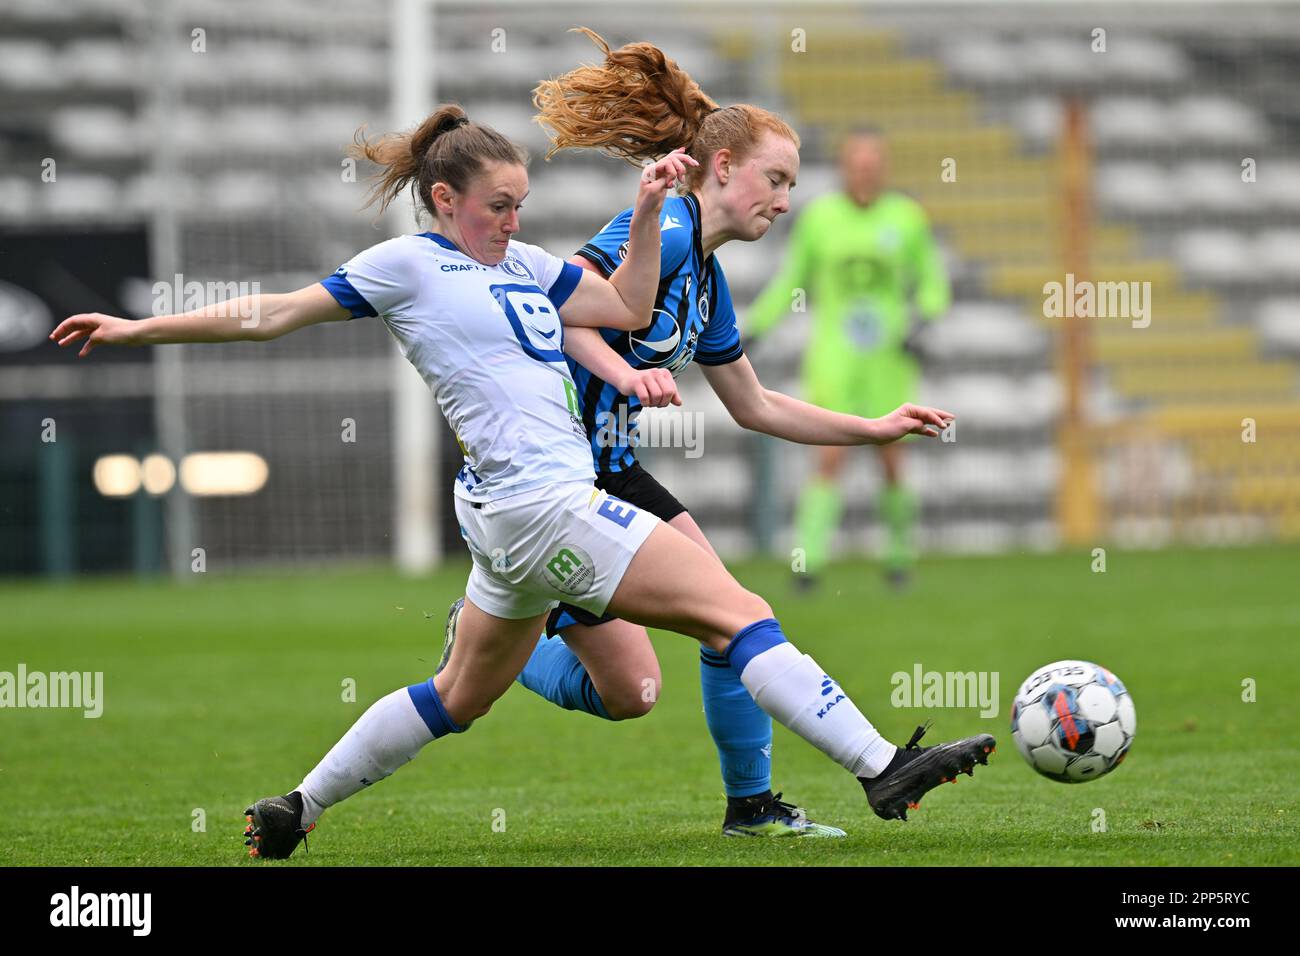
x=231, y=688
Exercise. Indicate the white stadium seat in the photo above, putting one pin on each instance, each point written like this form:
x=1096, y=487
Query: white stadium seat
x=347, y=66
x=514, y=121
x=81, y=195
x=1217, y=119
x=142, y=194
x=1002, y=401
x=1211, y=255
x=1062, y=58
x=28, y=65
x=249, y=129
x=1216, y=186
x=18, y=197
x=1278, y=322
x=245, y=191
x=331, y=126
x=103, y=63
x=96, y=131
x=575, y=194
x=1277, y=252
x=1038, y=118
x=983, y=59
x=986, y=330
x=1278, y=182
x=1130, y=119
x=1136, y=187
x=1145, y=59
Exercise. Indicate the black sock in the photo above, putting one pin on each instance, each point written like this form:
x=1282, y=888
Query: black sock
x=741, y=802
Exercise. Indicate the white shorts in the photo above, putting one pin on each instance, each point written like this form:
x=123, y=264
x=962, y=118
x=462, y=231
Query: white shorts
x=569, y=542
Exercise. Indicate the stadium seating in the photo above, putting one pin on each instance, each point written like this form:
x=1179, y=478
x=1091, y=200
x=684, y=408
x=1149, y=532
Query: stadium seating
x=259, y=120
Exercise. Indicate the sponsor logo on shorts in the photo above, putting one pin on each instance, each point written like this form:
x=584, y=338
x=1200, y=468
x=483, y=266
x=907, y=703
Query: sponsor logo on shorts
x=571, y=570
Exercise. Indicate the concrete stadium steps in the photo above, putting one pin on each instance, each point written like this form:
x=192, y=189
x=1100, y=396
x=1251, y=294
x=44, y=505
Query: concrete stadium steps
x=924, y=145
x=1012, y=174
x=1213, y=437
x=1228, y=455
x=1006, y=223
x=1268, y=493
x=1137, y=346
x=738, y=45
x=1172, y=308
x=894, y=116
x=1042, y=244
x=1028, y=280
x=1261, y=473
x=1282, y=417
x=956, y=211
x=1196, y=381
x=851, y=76
x=1196, y=450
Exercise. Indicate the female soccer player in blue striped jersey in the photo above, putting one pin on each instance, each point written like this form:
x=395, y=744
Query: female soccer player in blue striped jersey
x=638, y=105
x=481, y=316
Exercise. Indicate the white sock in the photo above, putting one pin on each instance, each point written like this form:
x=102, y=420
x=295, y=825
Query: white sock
x=387, y=735
x=801, y=697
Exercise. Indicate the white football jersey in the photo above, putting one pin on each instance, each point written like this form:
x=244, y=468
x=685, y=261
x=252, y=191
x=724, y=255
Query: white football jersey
x=487, y=340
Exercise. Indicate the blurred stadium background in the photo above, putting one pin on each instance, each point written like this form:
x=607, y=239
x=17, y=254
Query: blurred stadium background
x=144, y=140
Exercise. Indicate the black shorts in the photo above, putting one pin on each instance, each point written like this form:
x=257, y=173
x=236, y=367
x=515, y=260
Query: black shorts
x=639, y=488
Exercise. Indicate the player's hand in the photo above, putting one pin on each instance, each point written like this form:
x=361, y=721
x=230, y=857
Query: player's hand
x=912, y=420
x=653, y=387
x=658, y=179
x=97, y=329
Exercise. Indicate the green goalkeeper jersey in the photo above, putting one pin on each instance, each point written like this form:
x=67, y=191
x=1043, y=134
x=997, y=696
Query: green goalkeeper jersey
x=862, y=271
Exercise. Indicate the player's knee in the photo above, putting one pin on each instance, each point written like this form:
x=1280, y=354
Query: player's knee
x=633, y=699
x=477, y=713
x=631, y=708
x=746, y=609
x=627, y=708
x=465, y=709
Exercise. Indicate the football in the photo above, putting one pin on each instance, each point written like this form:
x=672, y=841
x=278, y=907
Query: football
x=1073, y=721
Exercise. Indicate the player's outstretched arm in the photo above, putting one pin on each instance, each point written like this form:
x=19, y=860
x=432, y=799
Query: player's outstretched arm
x=249, y=318
x=626, y=300
x=774, y=413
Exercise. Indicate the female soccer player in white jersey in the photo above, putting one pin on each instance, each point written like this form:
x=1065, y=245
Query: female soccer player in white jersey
x=638, y=105
x=480, y=315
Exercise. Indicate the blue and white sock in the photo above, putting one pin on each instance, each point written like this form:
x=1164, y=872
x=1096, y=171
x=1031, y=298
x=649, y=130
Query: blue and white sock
x=554, y=672
x=740, y=729
x=387, y=735
x=801, y=696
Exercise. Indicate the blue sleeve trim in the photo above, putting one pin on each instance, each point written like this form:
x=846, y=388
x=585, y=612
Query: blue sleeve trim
x=564, y=284
x=347, y=296
x=720, y=358
x=751, y=641
x=429, y=706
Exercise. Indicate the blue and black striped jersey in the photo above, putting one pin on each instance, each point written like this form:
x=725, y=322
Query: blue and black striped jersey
x=694, y=320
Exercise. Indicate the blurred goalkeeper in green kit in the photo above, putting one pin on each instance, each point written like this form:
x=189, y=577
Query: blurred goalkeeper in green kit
x=871, y=272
